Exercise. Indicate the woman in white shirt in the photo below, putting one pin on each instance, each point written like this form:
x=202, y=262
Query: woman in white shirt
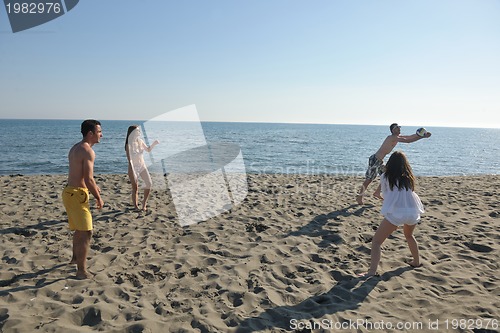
x=135, y=147
x=401, y=207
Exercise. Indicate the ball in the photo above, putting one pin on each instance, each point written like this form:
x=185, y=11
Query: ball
x=421, y=132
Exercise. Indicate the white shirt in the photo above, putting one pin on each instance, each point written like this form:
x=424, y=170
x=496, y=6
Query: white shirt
x=401, y=206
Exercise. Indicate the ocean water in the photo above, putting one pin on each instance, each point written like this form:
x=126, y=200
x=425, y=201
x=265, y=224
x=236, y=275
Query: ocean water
x=41, y=147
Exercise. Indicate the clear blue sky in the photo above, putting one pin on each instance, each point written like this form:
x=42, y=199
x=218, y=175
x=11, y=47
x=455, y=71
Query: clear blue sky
x=416, y=62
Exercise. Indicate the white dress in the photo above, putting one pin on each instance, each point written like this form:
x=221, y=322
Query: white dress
x=136, y=150
x=400, y=206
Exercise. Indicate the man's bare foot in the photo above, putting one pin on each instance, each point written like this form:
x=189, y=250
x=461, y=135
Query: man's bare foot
x=378, y=195
x=359, y=199
x=83, y=275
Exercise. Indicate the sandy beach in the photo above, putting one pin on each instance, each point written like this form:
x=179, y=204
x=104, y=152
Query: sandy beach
x=285, y=260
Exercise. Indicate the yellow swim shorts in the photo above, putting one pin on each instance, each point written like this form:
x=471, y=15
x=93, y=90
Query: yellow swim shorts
x=76, y=202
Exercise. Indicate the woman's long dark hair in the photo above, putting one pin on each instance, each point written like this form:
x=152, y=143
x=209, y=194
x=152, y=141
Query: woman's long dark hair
x=399, y=173
x=130, y=130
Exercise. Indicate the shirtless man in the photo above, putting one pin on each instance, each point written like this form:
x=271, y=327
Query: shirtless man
x=376, y=161
x=76, y=194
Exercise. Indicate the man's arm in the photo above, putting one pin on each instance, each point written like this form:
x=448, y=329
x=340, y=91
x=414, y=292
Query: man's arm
x=412, y=138
x=88, y=176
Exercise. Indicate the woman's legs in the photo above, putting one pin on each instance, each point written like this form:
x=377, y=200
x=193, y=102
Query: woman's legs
x=412, y=244
x=147, y=187
x=384, y=230
x=133, y=181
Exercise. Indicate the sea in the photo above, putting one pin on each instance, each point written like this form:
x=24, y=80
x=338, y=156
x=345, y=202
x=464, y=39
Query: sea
x=38, y=147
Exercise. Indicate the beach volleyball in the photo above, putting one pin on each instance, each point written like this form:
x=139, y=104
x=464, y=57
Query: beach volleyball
x=421, y=132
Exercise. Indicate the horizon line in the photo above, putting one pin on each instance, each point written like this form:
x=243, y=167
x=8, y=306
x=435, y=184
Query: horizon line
x=261, y=122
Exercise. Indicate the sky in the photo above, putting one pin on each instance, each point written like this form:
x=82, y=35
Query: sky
x=414, y=62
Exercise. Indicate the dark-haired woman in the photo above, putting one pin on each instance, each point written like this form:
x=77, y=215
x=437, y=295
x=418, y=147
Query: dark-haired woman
x=401, y=207
x=135, y=147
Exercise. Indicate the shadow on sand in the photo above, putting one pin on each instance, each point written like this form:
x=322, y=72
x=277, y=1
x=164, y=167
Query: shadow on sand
x=31, y=230
x=347, y=294
x=315, y=227
x=30, y=276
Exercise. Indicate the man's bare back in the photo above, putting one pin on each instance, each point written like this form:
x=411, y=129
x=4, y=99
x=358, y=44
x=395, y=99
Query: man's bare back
x=387, y=146
x=392, y=140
